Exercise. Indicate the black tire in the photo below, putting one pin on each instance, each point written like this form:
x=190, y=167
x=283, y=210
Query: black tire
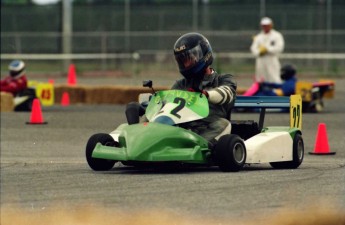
x=297, y=155
x=317, y=103
x=25, y=106
x=99, y=164
x=230, y=153
x=318, y=106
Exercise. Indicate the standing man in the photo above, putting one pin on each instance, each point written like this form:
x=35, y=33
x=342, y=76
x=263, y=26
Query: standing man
x=266, y=47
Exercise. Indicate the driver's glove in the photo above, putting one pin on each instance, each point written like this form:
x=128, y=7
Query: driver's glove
x=201, y=91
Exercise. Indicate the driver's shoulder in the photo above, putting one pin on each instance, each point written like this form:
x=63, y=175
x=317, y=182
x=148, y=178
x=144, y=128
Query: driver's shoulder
x=226, y=79
x=225, y=76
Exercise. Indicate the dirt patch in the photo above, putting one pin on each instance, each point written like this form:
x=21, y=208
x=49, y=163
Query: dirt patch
x=105, y=216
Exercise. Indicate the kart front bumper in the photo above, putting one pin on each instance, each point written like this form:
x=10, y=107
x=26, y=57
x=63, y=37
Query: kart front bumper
x=190, y=155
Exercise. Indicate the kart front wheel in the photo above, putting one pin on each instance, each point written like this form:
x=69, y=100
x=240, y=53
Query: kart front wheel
x=297, y=155
x=230, y=153
x=99, y=164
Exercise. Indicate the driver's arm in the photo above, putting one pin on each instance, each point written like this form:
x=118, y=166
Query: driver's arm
x=225, y=93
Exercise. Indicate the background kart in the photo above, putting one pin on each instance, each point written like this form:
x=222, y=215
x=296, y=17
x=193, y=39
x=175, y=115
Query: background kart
x=43, y=91
x=312, y=93
x=162, y=140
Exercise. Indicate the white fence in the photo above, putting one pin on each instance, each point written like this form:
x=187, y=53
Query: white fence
x=319, y=64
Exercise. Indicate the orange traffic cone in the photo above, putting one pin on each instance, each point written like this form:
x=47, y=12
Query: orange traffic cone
x=72, y=76
x=65, y=99
x=321, y=144
x=36, y=113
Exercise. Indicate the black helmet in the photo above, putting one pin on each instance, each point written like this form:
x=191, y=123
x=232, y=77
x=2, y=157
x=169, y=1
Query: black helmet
x=193, y=54
x=287, y=72
x=16, y=68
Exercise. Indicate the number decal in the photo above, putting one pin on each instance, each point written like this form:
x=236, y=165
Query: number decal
x=296, y=111
x=45, y=94
x=181, y=103
x=296, y=116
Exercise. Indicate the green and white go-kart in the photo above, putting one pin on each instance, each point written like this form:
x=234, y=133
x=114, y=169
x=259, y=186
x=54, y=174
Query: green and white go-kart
x=162, y=141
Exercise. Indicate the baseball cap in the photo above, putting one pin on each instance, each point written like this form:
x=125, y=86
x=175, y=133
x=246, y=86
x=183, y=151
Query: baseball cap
x=265, y=21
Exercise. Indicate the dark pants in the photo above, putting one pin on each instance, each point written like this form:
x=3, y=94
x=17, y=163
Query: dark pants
x=134, y=111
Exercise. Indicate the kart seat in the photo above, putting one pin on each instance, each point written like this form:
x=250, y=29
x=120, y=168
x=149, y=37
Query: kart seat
x=244, y=128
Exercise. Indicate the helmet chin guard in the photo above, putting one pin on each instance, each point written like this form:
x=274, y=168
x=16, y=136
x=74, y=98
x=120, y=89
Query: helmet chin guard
x=197, y=72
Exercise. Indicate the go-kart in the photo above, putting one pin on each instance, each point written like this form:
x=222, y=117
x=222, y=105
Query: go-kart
x=43, y=91
x=162, y=140
x=312, y=93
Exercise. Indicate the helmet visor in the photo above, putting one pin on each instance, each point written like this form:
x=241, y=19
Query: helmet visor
x=189, y=58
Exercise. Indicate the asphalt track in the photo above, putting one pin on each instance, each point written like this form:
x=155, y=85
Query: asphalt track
x=44, y=165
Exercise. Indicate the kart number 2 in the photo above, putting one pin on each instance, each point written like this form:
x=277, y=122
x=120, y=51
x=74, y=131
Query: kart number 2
x=181, y=103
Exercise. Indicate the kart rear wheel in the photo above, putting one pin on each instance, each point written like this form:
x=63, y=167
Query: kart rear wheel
x=230, y=153
x=297, y=155
x=25, y=106
x=99, y=164
x=318, y=107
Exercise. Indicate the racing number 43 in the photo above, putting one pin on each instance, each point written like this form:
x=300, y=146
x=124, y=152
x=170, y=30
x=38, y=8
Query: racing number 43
x=45, y=94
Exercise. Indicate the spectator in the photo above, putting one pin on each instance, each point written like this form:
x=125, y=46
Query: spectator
x=266, y=47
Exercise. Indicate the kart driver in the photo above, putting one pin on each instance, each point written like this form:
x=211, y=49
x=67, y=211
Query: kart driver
x=193, y=54
x=287, y=88
x=16, y=81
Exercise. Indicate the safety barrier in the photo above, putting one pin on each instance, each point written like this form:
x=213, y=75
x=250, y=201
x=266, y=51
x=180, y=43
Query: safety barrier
x=86, y=94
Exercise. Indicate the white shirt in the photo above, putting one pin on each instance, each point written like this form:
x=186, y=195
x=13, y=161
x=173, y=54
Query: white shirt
x=268, y=65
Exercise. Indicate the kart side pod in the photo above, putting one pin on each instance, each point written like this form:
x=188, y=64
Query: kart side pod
x=293, y=103
x=281, y=146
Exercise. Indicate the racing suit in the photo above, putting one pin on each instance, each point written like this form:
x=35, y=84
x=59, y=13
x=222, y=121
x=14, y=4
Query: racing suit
x=287, y=88
x=221, y=90
x=267, y=66
x=13, y=85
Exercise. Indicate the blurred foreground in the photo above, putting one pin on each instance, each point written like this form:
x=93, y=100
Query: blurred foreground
x=325, y=215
